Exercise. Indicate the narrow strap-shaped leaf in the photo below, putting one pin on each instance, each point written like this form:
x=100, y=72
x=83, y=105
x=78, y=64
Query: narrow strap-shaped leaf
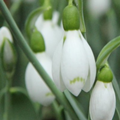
x=117, y=91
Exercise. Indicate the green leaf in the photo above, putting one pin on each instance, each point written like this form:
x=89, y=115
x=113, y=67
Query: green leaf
x=117, y=91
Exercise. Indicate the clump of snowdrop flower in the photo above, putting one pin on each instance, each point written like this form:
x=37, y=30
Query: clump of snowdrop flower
x=98, y=7
x=103, y=100
x=51, y=32
x=73, y=61
x=7, y=51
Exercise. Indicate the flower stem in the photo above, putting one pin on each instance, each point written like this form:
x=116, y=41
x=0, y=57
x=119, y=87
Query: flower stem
x=58, y=110
x=70, y=2
x=7, y=101
x=106, y=51
x=79, y=4
x=30, y=55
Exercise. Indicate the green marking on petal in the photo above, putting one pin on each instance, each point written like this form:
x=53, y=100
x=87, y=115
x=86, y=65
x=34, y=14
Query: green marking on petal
x=77, y=79
x=49, y=94
x=105, y=85
x=64, y=39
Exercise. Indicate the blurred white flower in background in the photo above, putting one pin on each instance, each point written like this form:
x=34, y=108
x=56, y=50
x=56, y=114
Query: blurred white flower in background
x=73, y=63
x=51, y=32
x=102, y=101
x=5, y=33
x=36, y=87
x=98, y=7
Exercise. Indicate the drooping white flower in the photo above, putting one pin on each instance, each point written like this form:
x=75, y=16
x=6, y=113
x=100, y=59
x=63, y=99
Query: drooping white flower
x=102, y=102
x=98, y=7
x=51, y=32
x=5, y=33
x=36, y=87
x=73, y=63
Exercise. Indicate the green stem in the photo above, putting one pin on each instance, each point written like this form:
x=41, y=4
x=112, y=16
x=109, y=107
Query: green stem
x=76, y=108
x=30, y=55
x=57, y=110
x=70, y=2
x=106, y=51
x=7, y=101
x=79, y=4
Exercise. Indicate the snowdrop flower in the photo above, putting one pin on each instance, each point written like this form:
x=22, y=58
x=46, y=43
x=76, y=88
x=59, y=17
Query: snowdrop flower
x=73, y=61
x=103, y=100
x=74, y=64
x=98, y=7
x=36, y=87
x=51, y=32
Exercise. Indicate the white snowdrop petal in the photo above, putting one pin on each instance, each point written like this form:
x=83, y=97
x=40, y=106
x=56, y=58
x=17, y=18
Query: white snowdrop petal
x=5, y=33
x=55, y=17
x=39, y=22
x=92, y=67
x=37, y=89
x=74, y=64
x=8, y=53
x=102, y=102
x=56, y=67
x=52, y=35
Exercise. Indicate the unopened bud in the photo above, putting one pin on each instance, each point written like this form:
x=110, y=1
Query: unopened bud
x=8, y=56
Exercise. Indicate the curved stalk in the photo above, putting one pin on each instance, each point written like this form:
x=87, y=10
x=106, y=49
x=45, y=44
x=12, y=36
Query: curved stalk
x=106, y=51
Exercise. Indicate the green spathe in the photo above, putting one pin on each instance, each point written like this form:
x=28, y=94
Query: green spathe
x=71, y=18
x=105, y=74
x=37, y=41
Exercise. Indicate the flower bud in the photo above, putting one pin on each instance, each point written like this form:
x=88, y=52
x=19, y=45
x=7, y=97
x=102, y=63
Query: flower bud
x=71, y=18
x=105, y=74
x=37, y=41
x=8, y=56
x=102, y=101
